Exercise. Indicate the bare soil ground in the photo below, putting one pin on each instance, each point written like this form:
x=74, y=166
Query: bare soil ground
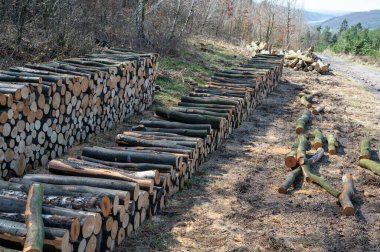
x=232, y=203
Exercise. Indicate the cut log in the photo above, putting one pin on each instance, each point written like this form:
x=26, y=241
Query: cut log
x=318, y=110
x=318, y=139
x=331, y=144
x=370, y=165
x=306, y=100
x=70, y=223
x=34, y=241
x=130, y=187
x=291, y=157
x=296, y=172
x=365, y=149
x=310, y=177
x=15, y=233
x=66, y=167
x=301, y=122
x=303, y=145
x=215, y=122
x=347, y=194
x=130, y=156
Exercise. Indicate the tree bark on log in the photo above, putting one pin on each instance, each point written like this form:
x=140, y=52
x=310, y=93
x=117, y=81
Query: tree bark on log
x=346, y=195
x=370, y=165
x=70, y=223
x=303, y=145
x=318, y=139
x=111, y=184
x=306, y=100
x=331, y=143
x=365, y=149
x=301, y=122
x=296, y=172
x=318, y=110
x=15, y=232
x=310, y=177
x=130, y=156
x=63, y=167
x=291, y=157
x=215, y=122
x=34, y=241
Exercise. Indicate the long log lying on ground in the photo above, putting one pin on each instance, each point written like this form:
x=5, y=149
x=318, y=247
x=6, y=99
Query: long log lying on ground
x=289, y=181
x=365, y=149
x=34, y=240
x=370, y=165
x=310, y=177
x=346, y=195
x=302, y=121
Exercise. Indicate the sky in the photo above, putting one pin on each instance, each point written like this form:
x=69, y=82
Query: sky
x=340, y=5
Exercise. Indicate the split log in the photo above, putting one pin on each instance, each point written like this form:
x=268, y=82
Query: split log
x=365, y=149
x=347, y=194
x=34, y=241
x=370, y=165
x=301, y=122
x=331, y=144
x=318, y=139
x=310, y=177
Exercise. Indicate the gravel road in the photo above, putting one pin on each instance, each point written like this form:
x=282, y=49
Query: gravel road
x=367, y=76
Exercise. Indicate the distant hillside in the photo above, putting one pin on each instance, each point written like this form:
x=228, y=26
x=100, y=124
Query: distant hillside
x=317, y=17
x=368, y=19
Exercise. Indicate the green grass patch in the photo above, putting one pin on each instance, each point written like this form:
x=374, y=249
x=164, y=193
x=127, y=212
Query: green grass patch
x=176, y=74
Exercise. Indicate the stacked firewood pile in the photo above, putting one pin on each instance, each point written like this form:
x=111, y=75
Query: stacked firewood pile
x=93, y=201
x=305, y=61
x=299, y=163
x=46, y=108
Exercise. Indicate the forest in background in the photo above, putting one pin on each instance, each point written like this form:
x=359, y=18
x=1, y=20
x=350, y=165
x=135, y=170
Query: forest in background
x=39, y=30
x=354, y=40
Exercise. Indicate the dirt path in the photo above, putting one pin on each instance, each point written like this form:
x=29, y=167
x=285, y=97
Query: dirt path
x=369, y=77
x=232, y=203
